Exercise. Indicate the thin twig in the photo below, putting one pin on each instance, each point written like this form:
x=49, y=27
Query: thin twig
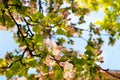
x=107, y=71
x=40, y=6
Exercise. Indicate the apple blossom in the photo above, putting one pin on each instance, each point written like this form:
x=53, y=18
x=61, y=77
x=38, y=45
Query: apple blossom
x=48, y=61
x=49, y=42
x=101, y=59
x=68, y=66
x=68, y=74
x=62, y=64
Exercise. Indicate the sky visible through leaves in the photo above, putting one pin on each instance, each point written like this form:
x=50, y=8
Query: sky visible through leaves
x=111, y=54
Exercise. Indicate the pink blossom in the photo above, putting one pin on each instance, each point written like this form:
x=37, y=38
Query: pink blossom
x=49, y=42
x=68, y=75
x=62, y=64
x=101, y=59
x=0, y=1
x=68, y=66
x=98, y=52
x=58, y=57
x=28, y=55
x=55, y=51
x=48, y=61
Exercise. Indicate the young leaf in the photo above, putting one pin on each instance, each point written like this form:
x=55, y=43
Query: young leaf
x=61, y=31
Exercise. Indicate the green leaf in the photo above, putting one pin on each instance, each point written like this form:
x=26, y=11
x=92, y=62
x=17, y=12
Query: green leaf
x=33, y=63
x=22, y=9
x=64, y=58
x=36, y=29
x=2, y=62
x=77, y=61
x=58, y=72
x=52, y=15
x=38, y=38
x=22, y=72
x=32, y=0
x=60, y=41
x=16, y=66
x=29, y=59
x=61, y=31
x=89, y=48
x=31, y=77
x=79, y=67
x=10, y=73
x=17, y=57
x=44, y=68
x=37, y=17
x=89, y=52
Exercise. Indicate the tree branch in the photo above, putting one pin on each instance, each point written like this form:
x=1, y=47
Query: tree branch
x=107, y=71
x=40, y=6
x=20, y=59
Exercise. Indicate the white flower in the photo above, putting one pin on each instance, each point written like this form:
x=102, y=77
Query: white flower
x=62, y=64
x=49, y=61
x=49, y=42
x=55, y=51
x=52, y=46
x=68, y=70
x=68, y=74
x=68, y=66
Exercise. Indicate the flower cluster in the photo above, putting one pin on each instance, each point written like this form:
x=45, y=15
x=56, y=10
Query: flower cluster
x=68, y=72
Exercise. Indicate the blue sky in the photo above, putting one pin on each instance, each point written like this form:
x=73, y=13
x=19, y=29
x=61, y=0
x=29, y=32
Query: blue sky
x=7, y=42
x=111, y=54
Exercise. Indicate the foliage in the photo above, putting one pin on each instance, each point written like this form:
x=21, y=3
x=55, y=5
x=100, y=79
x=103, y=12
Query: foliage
x=43, y=30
